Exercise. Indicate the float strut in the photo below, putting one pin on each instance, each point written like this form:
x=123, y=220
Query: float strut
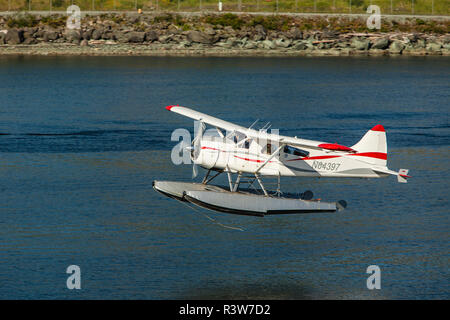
x=205, y=179
x=230, y=182
x=238, y=180
x=260, y=183
x=279, y=185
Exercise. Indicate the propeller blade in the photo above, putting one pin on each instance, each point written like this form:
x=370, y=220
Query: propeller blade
x=198, y=140
x=194, y=171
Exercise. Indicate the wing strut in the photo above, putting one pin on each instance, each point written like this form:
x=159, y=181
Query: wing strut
x=270, y=158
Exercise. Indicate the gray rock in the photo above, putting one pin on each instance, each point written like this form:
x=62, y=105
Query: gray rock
x=434, y=46
x=309, y=43
x=50, y=35
x=73, y=36
x=87, y=35
x=14, y=36
x=136, y=37
x=183, y=44
x=382, y=43
x=224, y=44
x=420, y=44
x=396, y=47
x=84, y=43
x=97, y=34
x=210, y=31
x=330, y=35
x=300, y=46
x=199, y=37
x=260, y=30
x=232, y=42
x=413, y=37
x=2, y=38
x=324, y=46
x=360, y=44
x=267, y=44
x=28, y=33
x=108, y=35
x=296, y=34
x=30, y=41
x=282, y=43
x=151, y=36
x=165, y=39
x=120, y=36
x=258, y=37
x=250, y=45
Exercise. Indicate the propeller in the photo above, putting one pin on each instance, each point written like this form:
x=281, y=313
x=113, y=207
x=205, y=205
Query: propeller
x=197, y=147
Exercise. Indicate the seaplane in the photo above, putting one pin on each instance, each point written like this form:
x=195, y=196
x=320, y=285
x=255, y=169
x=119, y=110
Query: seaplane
x=246, y=155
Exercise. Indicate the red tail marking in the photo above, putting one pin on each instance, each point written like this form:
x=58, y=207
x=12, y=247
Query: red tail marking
x=378, y=127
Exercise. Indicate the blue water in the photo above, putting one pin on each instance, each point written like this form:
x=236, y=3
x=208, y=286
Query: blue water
x=82, y=138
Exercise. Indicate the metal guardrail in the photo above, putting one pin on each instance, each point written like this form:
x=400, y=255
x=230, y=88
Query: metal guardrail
x=414, y=7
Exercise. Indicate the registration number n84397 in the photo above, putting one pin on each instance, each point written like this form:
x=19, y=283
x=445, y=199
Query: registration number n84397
x=328, y=166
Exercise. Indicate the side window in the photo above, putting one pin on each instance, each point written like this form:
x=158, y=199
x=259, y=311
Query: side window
x=269, y=149
x=300, y=153
x=295, y=151
x=247, y=144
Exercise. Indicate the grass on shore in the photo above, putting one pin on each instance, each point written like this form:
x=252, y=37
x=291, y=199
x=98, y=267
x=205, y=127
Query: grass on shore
x=440, y=7
x=270, y=22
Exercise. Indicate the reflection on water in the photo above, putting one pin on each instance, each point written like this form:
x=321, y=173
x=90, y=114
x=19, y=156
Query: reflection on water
x=83, y=138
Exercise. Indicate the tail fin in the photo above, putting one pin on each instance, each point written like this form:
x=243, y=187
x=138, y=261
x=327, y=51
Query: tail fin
x=373, y=146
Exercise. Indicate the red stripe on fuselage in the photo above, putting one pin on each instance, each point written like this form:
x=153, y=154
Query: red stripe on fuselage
x=210, y=148
x=377, y=155
x=314, y=158
x=246, y=159
x=253, y=160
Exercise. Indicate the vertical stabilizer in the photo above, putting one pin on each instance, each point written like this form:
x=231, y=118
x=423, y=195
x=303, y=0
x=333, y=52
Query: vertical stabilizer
x=373, y=146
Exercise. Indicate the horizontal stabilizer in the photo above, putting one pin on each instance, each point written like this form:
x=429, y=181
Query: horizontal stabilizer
x=403, y=175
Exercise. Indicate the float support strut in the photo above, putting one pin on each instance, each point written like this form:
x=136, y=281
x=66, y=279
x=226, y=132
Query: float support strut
x=260, y=183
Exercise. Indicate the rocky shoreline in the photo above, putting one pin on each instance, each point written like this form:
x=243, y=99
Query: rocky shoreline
x=219, y=35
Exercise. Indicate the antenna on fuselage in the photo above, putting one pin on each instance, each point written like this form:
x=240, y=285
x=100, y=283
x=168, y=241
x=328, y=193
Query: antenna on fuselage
x=266, y=127
x=253, y=123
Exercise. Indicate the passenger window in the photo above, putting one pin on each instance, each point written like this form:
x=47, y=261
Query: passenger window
x=269, y=149
x=295, y=151
x=300, y=153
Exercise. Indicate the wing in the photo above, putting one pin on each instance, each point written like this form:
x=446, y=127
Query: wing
x=228, y=126
x=213, y=121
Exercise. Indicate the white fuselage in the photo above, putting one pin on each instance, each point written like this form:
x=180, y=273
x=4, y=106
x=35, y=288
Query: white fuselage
x=236, y=156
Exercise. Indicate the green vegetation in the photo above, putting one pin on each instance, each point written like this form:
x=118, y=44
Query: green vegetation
x=21, y=20
x=271, y=22
x=227, y=19
x=440, y=7
x=54, y=21
x=237, y=22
